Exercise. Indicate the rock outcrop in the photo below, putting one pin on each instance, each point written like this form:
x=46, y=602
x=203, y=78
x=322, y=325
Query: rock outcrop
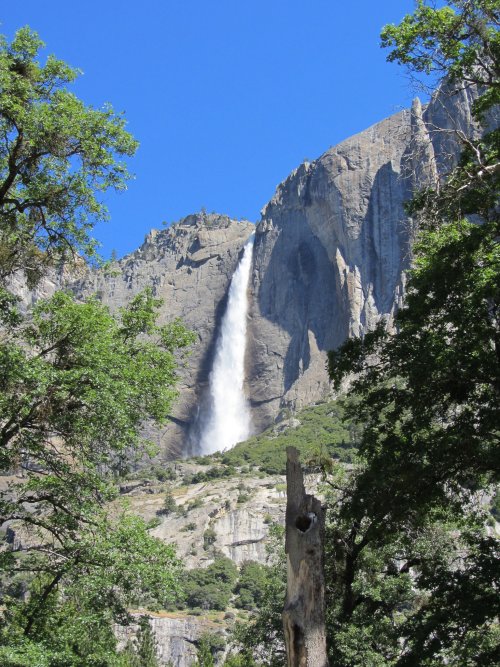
x=330, y=254
x=189, y=266
x=176, y=636
x=236, y=511
x=332, y=247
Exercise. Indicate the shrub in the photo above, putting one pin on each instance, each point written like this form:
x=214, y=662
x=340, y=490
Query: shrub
x=209, y=537
x=211, y=587
x=322, y=432
x=194, y=503
x=216, y=472
x=169, y=505
x=188, y=527
x=181, y=511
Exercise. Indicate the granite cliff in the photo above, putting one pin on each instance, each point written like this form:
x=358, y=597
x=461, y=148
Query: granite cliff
x=330, y=253
x=189, y=266
x=333, y=244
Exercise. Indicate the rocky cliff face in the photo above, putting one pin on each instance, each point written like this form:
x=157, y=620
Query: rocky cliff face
x=329, y=259
x=189, y=266
x=239, y=526
x=329, y=254
x=332, y=247
x=176, y=636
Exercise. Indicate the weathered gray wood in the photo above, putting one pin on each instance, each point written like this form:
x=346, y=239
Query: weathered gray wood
x=304, y=612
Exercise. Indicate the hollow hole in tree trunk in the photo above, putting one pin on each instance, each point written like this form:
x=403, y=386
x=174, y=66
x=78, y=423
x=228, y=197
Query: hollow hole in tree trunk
x=305, y=521
x=298, y=639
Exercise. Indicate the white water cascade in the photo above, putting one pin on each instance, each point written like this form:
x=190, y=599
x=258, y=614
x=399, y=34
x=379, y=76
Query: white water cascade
x=228, y=419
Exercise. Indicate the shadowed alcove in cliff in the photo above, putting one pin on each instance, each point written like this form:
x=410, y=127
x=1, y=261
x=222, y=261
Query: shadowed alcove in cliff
x=298, y=293
x=385, y=238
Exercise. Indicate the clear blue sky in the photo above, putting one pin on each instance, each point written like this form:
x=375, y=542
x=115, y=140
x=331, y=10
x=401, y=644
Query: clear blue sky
x=225, y=97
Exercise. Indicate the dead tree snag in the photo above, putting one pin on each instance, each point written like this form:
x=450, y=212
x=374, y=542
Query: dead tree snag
x=304, y=612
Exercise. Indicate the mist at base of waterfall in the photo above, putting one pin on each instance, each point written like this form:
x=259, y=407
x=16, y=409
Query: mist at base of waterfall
x=228, y=417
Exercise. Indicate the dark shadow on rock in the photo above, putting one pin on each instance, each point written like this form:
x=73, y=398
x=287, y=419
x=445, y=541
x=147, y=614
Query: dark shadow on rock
x=298, y=292
x=385, y=239
x=302, y=290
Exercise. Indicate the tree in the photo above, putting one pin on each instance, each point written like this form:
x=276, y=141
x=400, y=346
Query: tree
x=76, y=382
x=250, y=585
x=74, y=601
x=261, y=641
x=146, y=644
x=56, y=156
x=204, y=657
x=75, y=386
x=415, y=575
x=208, y=646
x=211, y=587
x=437, y=379
x=458, y=41
x=169, y=504
x=240, y=660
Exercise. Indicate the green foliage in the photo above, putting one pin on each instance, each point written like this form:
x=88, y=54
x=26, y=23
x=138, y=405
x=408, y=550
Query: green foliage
x=208, y=647
x=210, y=587
x=209, y=537
x=215, y=472
x=188, y=527
x=146, y=644
x=413, y=574
x=97, y=650
x=76, y=383
x=204, y=657
x=74, y=374
x=250, y=586
x=162, y=473
x=260, y=641
x=243, y=659
x=57, y=157
x=169, y=505
x=193, y=504
x=322, y=432
x=74, y=601
x=459, y=40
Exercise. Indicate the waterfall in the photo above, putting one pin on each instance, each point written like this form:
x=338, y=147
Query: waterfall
x=228, y=419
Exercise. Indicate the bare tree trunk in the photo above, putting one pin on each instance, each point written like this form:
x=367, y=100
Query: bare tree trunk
x=304, y=612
